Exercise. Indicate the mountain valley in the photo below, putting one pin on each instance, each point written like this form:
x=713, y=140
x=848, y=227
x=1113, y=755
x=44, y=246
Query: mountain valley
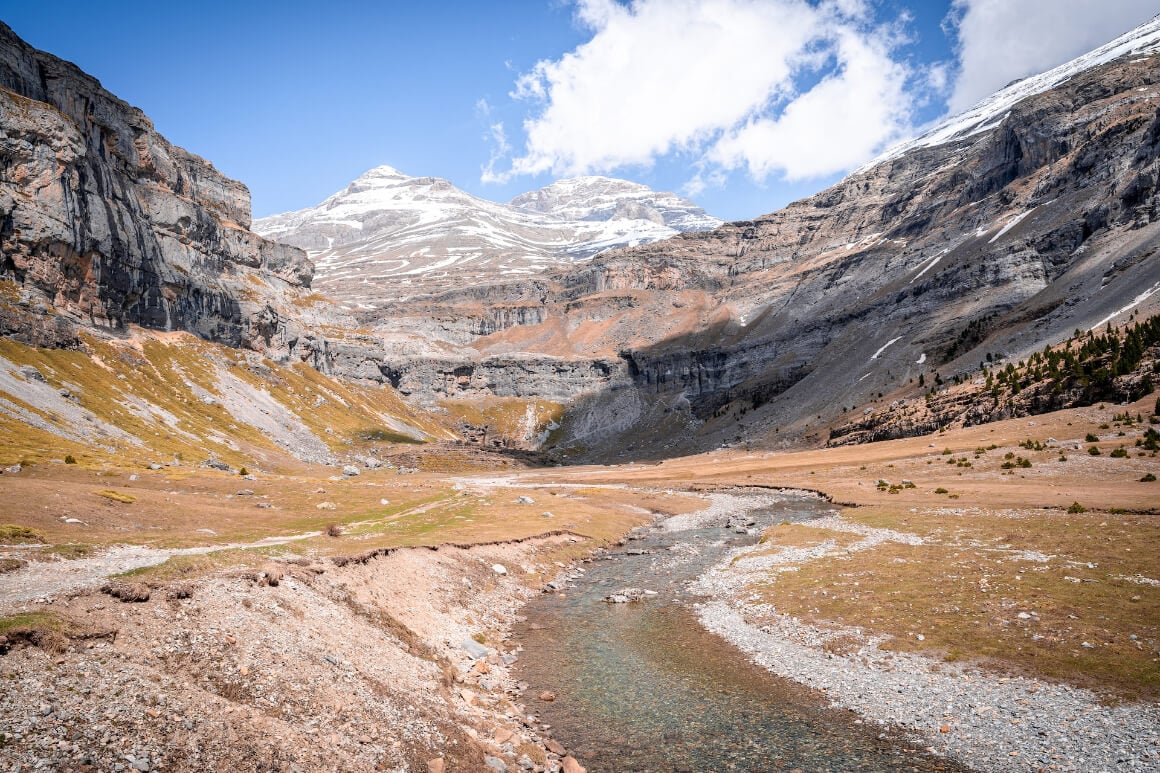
x=331, y=489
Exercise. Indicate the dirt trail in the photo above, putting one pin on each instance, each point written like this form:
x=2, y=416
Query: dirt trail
x=45, y=579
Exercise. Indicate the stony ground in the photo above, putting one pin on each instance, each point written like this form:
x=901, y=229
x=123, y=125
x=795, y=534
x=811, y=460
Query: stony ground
x=394, y=663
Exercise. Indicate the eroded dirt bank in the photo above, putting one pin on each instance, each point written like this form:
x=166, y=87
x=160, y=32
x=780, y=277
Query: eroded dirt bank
x=308, y=666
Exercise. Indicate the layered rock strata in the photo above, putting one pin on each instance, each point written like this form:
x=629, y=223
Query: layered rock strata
x=106, y=223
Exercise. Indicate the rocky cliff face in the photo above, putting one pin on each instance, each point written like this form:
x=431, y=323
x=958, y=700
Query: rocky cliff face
x=104, y=223
x=1035, y=214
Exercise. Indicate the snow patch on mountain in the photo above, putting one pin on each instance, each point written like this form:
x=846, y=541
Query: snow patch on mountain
x=1143, y=41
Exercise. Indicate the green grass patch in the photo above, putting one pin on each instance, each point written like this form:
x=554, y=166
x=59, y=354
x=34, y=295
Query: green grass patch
x=191, y=567
x=11, y=534
x=70, y=552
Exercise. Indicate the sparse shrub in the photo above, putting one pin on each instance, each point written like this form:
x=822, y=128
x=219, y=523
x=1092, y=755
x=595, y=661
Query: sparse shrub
x=1151, y=440
x=1094, y=450
x=1105, y=426
x=334, y=530
x=70, y=459
x=941, y=490
x=1076, y=508
x=1120, y=453
x=1063, y=457
x=272, y=574
x=1090, y=438
x=947, y=452
x=1148, y=478
x=11, y=564
x=243, y=472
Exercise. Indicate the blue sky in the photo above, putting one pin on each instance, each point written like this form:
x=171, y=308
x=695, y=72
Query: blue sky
x=745, y=105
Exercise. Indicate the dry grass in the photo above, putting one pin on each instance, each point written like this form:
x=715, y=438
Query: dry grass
x=795, y=535
x=965, y=590
x=11, y=565
x=506, y=417
x=110, y=380
x=116, y=496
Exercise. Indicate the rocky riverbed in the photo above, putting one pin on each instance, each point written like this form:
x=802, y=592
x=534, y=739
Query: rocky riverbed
x=989, y=722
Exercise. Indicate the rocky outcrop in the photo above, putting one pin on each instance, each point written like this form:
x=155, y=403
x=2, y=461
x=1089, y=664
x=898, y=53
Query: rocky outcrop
x=548, y=378
x=106, y=223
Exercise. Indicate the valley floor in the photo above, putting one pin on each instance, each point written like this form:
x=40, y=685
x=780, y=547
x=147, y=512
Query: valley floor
x=1003, y=614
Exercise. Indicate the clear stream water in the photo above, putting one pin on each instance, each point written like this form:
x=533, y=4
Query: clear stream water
x=643, y=687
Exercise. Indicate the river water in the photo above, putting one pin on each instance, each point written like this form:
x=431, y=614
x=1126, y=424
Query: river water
x=643, y=687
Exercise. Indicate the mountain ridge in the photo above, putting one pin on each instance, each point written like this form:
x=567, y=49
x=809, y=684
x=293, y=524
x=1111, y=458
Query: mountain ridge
x=388, y=234
x=767, y=330
x=994, y=241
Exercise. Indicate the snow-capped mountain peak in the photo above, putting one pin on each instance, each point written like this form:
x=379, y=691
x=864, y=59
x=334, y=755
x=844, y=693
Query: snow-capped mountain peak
x=387, y=234
x=606, y=198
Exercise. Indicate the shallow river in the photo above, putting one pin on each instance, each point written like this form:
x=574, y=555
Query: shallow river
x=642, y=687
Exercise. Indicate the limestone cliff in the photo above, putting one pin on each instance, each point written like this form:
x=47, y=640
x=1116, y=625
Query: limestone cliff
x=105, y=223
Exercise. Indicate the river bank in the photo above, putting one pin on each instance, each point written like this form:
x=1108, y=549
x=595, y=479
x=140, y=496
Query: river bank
x=987, y=721
x=397, y=661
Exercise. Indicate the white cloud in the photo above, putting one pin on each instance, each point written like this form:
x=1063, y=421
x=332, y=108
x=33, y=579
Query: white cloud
x=720, y=81
x=1003, y=40
x=836, y=125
